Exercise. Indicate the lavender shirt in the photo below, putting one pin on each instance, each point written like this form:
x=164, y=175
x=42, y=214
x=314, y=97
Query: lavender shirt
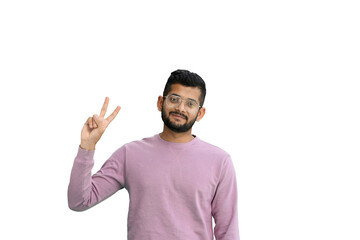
x=175, y=188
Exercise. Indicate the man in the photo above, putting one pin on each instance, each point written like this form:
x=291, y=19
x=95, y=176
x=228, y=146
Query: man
x=176, y=181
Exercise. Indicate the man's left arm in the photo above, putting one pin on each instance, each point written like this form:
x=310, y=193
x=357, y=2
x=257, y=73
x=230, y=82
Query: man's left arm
x=224, y=204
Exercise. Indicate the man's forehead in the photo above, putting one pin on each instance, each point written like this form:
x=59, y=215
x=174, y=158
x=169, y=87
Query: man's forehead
x=185, y=91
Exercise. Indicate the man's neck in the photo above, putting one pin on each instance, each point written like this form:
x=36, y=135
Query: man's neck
x=172, y=136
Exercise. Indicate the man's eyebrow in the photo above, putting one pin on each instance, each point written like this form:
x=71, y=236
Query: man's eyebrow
x=180, y=96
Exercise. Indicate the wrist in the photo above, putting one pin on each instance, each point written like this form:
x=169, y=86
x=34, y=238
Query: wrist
x=88, y=147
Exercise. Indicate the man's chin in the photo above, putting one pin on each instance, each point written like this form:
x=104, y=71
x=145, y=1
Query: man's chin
x=177, y=121
x=176, y=125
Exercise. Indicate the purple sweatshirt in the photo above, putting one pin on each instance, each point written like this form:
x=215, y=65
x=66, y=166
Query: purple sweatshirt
x=174, y=188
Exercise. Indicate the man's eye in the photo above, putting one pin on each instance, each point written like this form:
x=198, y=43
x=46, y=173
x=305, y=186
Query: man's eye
x=174, y=99
x=191, y=104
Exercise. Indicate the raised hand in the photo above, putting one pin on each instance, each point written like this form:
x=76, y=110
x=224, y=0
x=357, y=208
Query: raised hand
x=95, y=126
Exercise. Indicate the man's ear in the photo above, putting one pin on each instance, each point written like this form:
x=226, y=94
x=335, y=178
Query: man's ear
x=160, y=103
x=201, y=114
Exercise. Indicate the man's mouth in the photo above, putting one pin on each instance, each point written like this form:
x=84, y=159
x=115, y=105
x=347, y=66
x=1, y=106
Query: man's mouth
x=178, y=115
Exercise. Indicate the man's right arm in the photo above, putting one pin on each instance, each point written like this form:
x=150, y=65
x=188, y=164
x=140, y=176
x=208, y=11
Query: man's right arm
x=86, y=190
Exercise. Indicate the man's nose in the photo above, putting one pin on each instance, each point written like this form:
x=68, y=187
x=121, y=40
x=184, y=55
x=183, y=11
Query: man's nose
x=181, y=106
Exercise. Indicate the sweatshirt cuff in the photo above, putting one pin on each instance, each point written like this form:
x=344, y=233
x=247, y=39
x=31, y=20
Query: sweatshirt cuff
x=85, y=155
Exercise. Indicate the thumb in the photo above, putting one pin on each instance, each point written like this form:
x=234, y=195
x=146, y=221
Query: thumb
x=96, y=118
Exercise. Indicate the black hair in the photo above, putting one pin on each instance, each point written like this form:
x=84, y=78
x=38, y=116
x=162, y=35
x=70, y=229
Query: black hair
x=186, y=78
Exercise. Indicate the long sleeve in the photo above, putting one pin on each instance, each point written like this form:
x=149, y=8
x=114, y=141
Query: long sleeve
x=224, y=204
x=86, y=190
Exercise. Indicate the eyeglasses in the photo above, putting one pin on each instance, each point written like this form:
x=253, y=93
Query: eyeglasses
x=174, y=101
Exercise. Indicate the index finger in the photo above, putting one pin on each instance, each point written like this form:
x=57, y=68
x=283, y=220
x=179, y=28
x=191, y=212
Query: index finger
x=114, y=113
x=104, y=107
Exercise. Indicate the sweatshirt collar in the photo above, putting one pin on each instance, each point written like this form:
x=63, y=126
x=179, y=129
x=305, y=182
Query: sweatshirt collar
x=177, y=145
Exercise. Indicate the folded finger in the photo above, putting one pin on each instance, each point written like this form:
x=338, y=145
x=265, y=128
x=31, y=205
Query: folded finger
x=94, y=123
x=87, y=121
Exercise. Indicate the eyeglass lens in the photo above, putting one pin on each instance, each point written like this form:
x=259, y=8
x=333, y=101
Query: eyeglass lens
x=175, y=101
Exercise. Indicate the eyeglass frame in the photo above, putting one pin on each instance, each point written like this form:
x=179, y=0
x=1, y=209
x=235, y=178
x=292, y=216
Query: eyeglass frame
x=173, y=94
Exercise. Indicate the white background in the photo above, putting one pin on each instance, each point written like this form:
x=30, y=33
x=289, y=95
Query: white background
x=283, y=99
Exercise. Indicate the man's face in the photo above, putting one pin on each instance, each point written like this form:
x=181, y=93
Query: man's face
x=180, y=119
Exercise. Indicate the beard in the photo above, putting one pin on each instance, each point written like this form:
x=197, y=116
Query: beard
x=179, y=128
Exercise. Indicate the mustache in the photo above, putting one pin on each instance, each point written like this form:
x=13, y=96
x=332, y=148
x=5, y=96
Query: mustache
x=179, y=114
